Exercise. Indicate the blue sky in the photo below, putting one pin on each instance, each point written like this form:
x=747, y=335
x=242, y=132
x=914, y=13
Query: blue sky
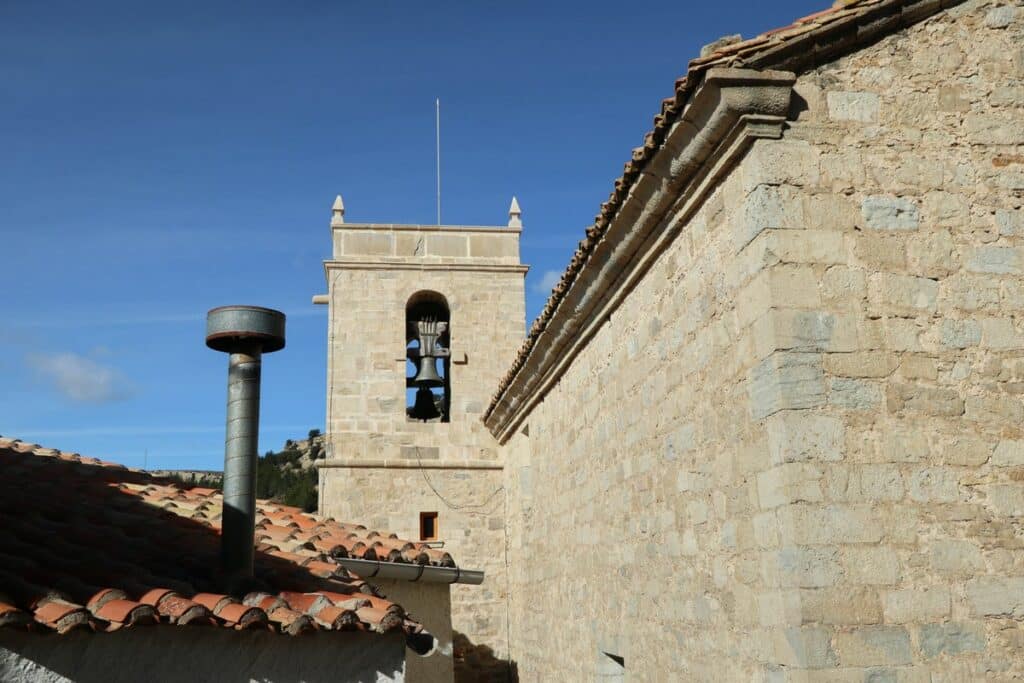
x=160, y=159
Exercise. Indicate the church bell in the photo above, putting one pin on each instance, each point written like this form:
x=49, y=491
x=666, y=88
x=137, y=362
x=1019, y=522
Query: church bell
x=426, y=375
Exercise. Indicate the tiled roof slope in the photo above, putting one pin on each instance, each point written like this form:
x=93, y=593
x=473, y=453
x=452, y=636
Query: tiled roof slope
x=806, y=43
x=91, y=544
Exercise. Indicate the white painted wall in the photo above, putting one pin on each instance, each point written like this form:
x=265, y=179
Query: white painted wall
x=199, y=653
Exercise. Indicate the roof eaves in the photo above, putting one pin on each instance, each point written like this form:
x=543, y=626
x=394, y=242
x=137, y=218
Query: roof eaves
x=830, y=34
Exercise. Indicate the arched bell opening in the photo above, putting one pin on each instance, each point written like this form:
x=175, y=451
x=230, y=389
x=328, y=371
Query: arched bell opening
x=428, y=359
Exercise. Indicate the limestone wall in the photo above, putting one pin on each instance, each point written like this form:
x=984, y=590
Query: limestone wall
x=794, y=453
x=900, y=493
x=382, y=469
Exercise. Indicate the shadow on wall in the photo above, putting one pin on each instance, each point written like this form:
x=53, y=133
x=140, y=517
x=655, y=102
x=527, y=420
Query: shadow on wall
x=477, y=663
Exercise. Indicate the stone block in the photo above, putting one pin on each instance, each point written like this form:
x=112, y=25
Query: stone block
x=780, y=162
x=845, y=285
x=1005, y=500
x=793, y=567
x=924, y=399
x=946, y=210
x=808, y=647
x=912, y=605
x=785, y=381
x=955, y=556
x=420, y=452
x=767, y=207
x=951, y=638
x=829, y=212
x=1000, y=334
x=841, y=606
x=960, y=334
x=800, y=436
x=874, y=646
x=793, y=285
x=861, y=364
x=366, y=244
x=966, y=451
x=451, y=246
x=854, y=394
x=933, y=485
x=903, y=292
x=933, y=254
x=410, y=244
x=996, y=596
x=914, y=366
x=881, y=482
x=1010, y=223
x=885, y=212
x=871, y=565
x=799, y=330
x=1009, y=453
x=877, y=251
x=996, y=409
x=853, y=106
x=951, y=98
x=806, y=246
x=1000, y=17
x=829, y=524
x=789, y=483
x=993, y=129
x=498, y=245
x=995, y=259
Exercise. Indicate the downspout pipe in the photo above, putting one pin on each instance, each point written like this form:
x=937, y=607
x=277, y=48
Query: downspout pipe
x=245, y=333
x=411, y=572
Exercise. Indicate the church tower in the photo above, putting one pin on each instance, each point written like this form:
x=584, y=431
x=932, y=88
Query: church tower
x=423, y=322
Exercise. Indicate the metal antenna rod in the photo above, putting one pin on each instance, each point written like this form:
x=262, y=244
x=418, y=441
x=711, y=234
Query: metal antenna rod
x=438, y=130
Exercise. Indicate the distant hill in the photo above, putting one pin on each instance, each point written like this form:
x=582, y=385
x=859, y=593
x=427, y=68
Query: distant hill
x=287, y=476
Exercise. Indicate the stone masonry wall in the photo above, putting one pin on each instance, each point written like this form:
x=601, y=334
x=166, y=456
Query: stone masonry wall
x=382, y=469
x=795, y=453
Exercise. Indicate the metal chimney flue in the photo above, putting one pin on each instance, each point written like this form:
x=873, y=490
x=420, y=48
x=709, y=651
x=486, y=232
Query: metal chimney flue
x=246, y=333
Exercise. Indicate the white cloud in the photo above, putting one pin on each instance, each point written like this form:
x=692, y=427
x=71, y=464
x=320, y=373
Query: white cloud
x=81, y=379
x=547, y=281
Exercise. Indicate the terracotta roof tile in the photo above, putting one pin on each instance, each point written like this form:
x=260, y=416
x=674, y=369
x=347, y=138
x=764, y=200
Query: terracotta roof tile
x=89, y=544
x=809, y=41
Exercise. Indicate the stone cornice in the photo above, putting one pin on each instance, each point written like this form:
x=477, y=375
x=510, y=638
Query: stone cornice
x=394, y=227
x=358, y=463
x=730, y=109
x=354, y=264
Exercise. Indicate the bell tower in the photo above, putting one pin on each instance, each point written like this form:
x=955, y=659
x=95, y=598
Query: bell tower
x=424, y=320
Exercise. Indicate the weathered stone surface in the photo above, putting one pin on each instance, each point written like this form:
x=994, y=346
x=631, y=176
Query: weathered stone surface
x=909, y=606
x=950, y=639
x=854, y=394
x=995, y=596
x=795, y=440
x=874, y=646
x=924, y=399
x=1009, y=453
x=995, y=259
x=890, y=213
x=959, y=334
x=784, y=381
x=797, y=436
x=853, y=106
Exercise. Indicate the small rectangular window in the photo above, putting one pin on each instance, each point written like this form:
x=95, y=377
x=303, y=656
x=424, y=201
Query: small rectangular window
x=428, y=526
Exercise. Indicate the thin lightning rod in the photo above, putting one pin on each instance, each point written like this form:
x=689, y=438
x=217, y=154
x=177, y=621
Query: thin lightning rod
x=438, y=130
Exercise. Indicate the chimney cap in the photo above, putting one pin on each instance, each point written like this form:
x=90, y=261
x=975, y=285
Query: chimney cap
x=231, y=328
